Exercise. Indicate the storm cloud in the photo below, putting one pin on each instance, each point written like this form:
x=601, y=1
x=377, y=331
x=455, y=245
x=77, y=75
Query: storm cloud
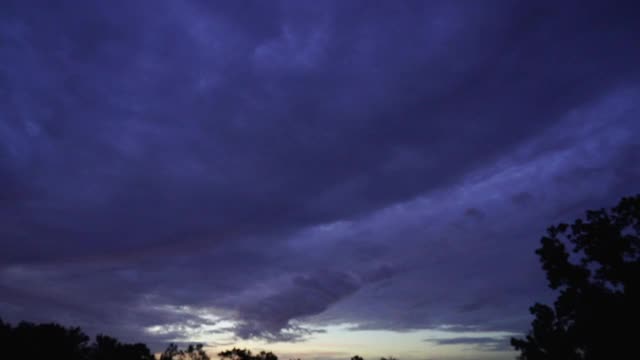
x=280, y=166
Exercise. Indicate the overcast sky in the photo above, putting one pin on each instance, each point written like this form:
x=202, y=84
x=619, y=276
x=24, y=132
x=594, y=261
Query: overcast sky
x=316, y=178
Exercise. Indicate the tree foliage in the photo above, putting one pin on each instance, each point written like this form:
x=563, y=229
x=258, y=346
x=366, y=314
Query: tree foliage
x=53, y=341
x=243, y=354
x=192, y=352
x=594, y=266
x=107, y=348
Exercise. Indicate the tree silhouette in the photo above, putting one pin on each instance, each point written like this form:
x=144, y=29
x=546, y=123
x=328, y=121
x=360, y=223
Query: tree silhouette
x=235, y=354
x=196, y=352
x=266, y=356
x=243, y=354
x=107, y=348
x=170, y=352
x=53, y=341
x=31, y=341
x=598, y=285
x=193, y=352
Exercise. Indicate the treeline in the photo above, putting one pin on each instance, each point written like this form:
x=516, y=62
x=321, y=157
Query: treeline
x=52, y=341
x=29, y=341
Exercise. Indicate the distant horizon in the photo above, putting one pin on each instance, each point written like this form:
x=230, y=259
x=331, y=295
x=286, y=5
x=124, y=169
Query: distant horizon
x=346, y=350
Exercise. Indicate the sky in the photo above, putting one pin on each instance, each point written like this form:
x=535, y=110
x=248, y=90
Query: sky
x=315, y=178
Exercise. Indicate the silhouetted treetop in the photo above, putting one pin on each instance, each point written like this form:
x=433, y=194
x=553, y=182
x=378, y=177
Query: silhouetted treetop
x=106, y=348
x=192, y=352
x=244, y=354
x=53, y=341
x=594, y=264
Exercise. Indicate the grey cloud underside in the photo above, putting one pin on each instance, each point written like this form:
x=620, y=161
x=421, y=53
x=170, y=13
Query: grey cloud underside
x=485, y=343
x=306, y=295
x=184, y=149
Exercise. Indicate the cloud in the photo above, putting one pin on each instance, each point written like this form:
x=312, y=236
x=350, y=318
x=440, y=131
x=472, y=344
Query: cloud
x=484, y=343
x=283, y=166
x=273, y=317
x=474, y=213
x=305, y=295
x=523, y=198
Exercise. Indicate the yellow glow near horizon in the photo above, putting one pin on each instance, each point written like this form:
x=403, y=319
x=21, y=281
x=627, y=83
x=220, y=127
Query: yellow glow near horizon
x=342, y=342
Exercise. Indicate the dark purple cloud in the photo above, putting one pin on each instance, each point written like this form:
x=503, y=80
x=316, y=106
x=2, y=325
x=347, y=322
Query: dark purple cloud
x=389, y=165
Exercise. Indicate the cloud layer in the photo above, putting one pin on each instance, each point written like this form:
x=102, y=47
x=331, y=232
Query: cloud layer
x=280, y=166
